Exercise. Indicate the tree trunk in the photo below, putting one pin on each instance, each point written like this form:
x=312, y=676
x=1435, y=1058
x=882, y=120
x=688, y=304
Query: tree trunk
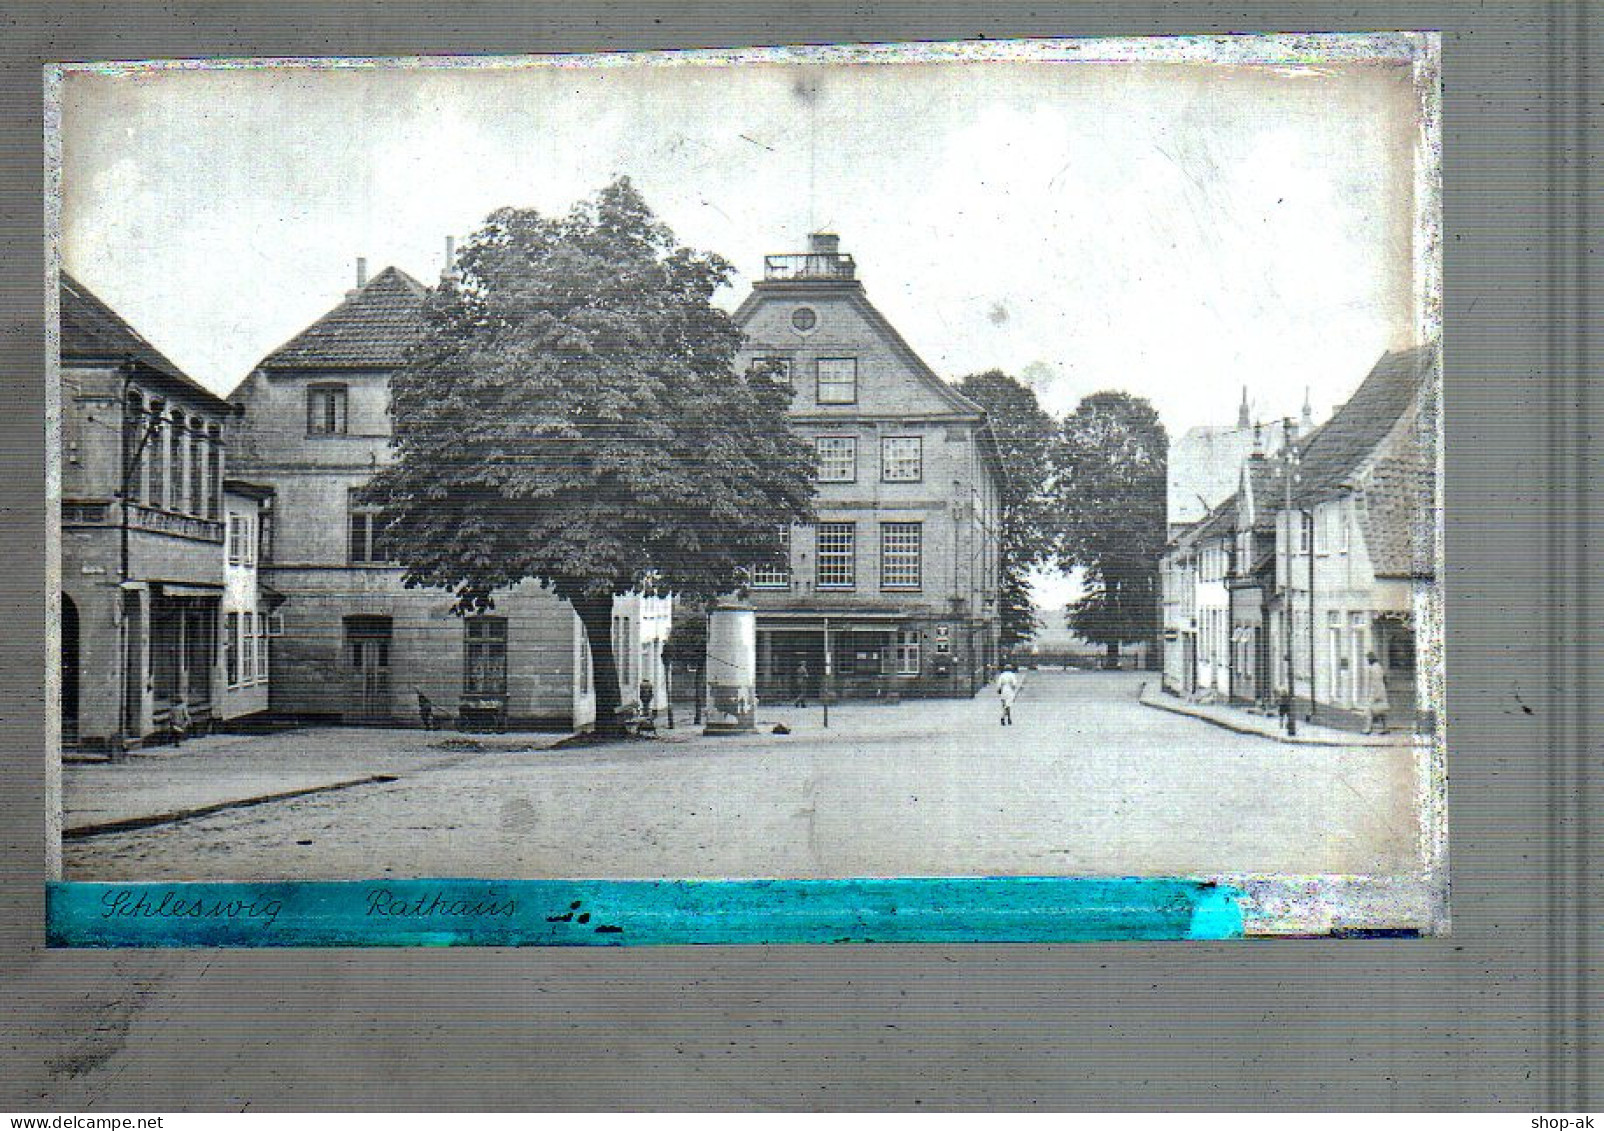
x=596, y=615
x=701, y=686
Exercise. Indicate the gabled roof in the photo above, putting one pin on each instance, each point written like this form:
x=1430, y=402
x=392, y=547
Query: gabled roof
x=859, y=301
x=91, y=330
x=1328, y=457
x=1397, y=518
x=371, y=329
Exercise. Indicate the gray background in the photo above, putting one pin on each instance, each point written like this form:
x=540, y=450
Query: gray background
x=1491, y=1017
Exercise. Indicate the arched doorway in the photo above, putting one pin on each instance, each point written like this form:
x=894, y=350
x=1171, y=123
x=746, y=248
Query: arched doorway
x=69, y=669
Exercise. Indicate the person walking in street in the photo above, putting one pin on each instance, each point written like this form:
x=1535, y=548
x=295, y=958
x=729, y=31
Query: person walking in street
x=1375, y=701
x=1008, y=689
x=799, y=683
x=179, y=720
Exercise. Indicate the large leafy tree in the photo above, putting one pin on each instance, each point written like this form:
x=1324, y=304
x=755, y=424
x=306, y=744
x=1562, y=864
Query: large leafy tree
x=1111, y=462
x=573, y=415
x=1026, y=437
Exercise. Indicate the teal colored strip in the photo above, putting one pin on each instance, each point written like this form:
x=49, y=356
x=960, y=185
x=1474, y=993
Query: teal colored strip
x=458, y=912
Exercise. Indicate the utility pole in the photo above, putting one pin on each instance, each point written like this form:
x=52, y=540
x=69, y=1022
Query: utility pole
x=1289, y=703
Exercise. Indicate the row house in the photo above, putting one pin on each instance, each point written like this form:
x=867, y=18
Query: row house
x=1325, y=555
x=248, y=606
x=351, y=642
x=893, y=590
x=144, y=571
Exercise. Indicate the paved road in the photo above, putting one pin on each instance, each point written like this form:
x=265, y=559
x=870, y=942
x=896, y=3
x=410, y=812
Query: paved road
x=1087, y=782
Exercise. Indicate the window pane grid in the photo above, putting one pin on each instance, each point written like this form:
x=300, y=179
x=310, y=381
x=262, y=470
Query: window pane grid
x=838, y=458
x=485, y=672
x=900, y=546
x=837, y=554
x=776, y=576
x=838, y=380
x=775, y=368
x=908, y=651
x=901, y=459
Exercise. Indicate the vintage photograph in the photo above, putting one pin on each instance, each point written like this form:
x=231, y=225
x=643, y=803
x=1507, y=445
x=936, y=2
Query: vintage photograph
x=967, y=460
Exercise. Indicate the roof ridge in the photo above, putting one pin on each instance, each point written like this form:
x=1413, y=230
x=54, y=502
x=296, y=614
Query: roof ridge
x=95, y=320
x=372, y=326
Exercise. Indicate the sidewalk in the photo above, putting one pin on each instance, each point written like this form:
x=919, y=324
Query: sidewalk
x=1267, y=726
x=229, y=771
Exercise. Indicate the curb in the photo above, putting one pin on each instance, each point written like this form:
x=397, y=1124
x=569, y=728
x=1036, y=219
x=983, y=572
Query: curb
x=131, y=824
x=1241, y=728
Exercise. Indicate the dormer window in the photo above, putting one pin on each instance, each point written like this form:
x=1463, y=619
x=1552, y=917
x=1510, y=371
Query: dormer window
x=325, y=410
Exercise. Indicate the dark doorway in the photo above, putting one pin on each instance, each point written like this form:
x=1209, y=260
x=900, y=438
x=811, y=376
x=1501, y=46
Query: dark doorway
x=69, y=669
x=791, y=664
x=133, y=666
x=367, y=663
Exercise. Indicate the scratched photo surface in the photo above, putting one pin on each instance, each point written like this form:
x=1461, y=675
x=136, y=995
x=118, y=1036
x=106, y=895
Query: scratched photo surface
x=987, y=460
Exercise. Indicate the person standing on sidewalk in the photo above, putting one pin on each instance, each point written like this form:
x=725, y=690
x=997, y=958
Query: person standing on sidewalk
x=799, y=683
x=1376, y=701
x=1008, y=689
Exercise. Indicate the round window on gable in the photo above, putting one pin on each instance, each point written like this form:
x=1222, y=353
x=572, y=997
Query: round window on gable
x=804, y=319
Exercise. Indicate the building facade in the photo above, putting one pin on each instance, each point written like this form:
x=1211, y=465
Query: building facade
x=142, y=532
x=1328, y=557
x=1357, y=548
x=893, y=591
x=353, y=643
x=247, y=607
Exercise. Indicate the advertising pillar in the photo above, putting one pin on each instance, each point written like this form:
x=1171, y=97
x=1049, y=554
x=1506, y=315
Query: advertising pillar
x=731, y=669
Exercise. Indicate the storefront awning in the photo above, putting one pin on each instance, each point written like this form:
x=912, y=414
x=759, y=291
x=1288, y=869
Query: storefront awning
x=172, y=589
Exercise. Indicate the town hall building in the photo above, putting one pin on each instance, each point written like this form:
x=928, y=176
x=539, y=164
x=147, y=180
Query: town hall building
x=893, y=591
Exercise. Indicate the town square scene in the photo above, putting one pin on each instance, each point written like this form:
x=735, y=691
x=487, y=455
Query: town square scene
x=784, y=471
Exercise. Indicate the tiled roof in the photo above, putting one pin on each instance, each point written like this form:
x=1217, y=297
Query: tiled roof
x=91, y=329
x=371, y=328
x=1397, y=517
x=1328, y=458
x=1220, y=520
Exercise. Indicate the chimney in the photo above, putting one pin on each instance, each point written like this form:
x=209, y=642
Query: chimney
x=361, y=272
x=824, y=243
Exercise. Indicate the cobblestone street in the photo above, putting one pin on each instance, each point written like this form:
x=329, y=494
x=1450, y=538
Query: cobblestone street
x=1088, y=782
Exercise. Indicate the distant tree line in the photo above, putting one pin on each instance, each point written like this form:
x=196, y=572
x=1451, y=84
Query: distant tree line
x=1085, y=493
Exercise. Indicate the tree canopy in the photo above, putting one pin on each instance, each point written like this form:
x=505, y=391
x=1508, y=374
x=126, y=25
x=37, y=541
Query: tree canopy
x=573, y=415
x=1111, y=467
x=1026, y=436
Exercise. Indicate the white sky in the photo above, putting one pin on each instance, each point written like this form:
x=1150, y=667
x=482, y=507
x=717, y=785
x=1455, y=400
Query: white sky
x=1178, y=230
